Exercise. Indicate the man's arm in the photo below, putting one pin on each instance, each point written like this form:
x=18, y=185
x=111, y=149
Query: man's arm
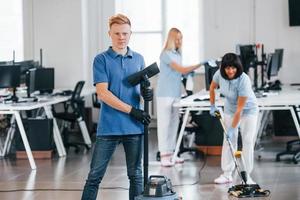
x=110, y=99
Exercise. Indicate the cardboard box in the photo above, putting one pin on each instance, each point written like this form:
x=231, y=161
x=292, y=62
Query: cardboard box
x=210, y=150
x=36, y=154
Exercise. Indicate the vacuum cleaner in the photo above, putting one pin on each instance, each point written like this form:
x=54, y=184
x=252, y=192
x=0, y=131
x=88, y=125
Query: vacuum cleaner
x=243, y=190
x=155, y=187
x=158, y=187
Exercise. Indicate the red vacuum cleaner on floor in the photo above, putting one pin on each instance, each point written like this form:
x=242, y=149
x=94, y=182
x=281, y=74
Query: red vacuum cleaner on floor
x=243, y=190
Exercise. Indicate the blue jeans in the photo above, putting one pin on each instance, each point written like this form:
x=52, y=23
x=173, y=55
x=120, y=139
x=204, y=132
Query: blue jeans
x=104, y=149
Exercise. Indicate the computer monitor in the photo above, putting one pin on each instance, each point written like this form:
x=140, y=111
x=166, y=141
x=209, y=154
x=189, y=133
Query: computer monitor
x=25, y=66
x=3, y=63
x=10, y=78
x=248, y=56
x=273, y=64
x=280, y=54
x=294, y=15
x=40, y=79
x=209, y=73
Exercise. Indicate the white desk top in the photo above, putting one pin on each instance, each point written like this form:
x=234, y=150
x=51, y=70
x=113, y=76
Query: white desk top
x=85, y=90
x=43, y=101
x=33, y=105
x=287, y=96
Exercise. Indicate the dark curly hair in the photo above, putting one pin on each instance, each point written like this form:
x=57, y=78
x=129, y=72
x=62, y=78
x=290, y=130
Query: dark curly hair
x=231, y=59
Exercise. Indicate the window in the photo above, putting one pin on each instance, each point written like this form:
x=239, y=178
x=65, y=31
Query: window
x=146, y=17
x=184, y=15
x=151, y=21
x=11, y=30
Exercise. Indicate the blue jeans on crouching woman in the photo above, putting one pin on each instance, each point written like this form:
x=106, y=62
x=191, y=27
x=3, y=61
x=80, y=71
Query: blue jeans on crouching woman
x=104, y=149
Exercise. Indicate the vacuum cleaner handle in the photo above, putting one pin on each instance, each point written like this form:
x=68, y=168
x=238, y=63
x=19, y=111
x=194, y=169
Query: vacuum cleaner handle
x=158, y=177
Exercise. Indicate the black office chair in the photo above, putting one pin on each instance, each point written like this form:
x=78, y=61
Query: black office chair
x=97, y=105
x=73, y=113
x=292, y=148
x=191, y=132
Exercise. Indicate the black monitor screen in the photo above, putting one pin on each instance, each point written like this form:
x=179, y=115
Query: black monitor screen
x=280, y=54
x=4, y=63
x=248, y=56
x=294, y=14
x=9, y=76
x=209, y=73
x=273, y=63
x=41, y=79
x=269, y=65
x=25, y=66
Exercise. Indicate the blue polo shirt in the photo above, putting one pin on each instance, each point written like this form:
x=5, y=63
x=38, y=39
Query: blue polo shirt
x=169, y=80
x=232, y=89
x=112, y=68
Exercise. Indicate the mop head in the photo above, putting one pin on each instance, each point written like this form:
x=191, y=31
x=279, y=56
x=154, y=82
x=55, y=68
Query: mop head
x=248, y=190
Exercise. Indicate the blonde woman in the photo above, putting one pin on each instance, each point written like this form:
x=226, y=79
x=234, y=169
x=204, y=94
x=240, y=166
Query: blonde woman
x=169, y=91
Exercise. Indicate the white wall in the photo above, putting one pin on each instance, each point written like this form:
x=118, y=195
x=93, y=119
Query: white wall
x=272, y=28
x=231, y=22
x=226, y=23
x=57, y=29
x=72, y=32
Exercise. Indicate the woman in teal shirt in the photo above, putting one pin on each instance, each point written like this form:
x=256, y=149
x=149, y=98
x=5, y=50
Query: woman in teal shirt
x=240, y=110
x=169, y=91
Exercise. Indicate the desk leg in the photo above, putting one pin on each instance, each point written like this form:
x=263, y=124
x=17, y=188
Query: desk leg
x=259, y=127
x=1, y=150
x=185, y=118
x=25, y=141
x=10, y=135
x=295, y=120
x=84, y=132
x=56, y=133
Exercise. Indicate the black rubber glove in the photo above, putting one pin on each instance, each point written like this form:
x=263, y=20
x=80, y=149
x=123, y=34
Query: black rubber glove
x=140, y=115
x=147, y=94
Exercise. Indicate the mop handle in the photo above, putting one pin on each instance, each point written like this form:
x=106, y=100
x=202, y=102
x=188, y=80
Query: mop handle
x=218, y=115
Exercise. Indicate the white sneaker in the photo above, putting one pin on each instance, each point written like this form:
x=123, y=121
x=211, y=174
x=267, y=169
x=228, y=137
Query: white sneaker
x=222, y=179
x=166, y=161
x=179, y=160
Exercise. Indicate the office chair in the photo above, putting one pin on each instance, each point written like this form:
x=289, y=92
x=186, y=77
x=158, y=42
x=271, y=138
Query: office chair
x=97, y=105
x=190, y=136
x=292, y=148
x=73, y=113
x=190, y=131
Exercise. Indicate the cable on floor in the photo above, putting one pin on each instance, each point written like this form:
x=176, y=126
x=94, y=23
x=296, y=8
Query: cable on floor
x=107, y=188
x=59, y=189
x=199, y=174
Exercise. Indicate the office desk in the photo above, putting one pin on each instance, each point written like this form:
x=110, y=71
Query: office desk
x=15, y=109
x=285, y=99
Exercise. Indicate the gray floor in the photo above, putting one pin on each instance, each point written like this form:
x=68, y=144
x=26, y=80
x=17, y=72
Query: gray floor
x=63, y=178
